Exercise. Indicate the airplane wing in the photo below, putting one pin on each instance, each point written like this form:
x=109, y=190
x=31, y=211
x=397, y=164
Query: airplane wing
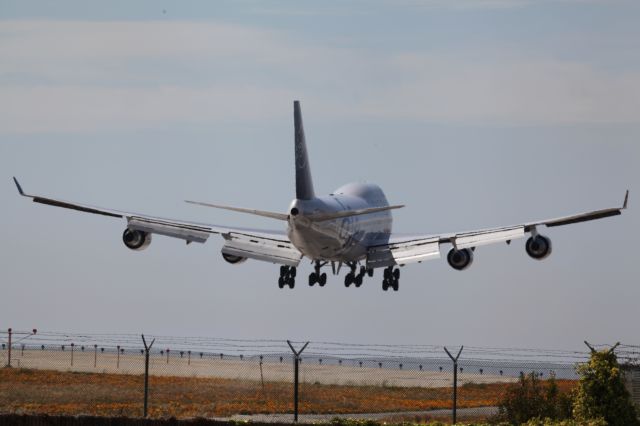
x=265, y=245
x=404, y=249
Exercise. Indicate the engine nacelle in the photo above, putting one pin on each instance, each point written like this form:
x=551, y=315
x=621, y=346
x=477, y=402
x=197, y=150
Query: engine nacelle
x=538, y=247
x=136, y=240
x=233, y=259
x=460, y=259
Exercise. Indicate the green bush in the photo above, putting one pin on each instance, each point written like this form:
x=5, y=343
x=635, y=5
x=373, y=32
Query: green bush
x=532, y=398
x=601, y=392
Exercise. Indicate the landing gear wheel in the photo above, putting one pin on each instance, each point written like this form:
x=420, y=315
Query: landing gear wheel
x=395, y=284
x=370, y=272
x=323, y=279
x=348, y=279
x=281, y=282
x=396, y=274
x=358, y=281
x=313, y=278
x=387, y=273
x=385, y=285
x=292, y=272
x=291, y=282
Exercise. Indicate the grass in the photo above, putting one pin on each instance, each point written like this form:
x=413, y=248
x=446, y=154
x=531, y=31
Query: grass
x=58, y=393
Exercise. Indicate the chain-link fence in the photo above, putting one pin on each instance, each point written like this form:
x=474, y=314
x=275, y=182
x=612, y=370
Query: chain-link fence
x=57, y=373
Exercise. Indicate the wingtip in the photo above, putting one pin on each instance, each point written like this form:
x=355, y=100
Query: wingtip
x=626, y=200
x=18, y=186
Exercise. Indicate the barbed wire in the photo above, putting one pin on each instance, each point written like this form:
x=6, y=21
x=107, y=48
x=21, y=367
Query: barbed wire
x=254, y=348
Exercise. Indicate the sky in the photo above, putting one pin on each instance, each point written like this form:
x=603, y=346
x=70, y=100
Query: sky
x=473, y=113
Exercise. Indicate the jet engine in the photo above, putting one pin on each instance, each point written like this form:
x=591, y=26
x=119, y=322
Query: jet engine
x=538, y=247
x=460, y=259
x=233, y=259
x=136, y=240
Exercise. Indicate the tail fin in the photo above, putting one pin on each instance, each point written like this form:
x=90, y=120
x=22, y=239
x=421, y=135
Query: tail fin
x=304, y=184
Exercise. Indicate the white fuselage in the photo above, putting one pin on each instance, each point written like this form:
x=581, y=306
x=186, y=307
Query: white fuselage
x=346, y=239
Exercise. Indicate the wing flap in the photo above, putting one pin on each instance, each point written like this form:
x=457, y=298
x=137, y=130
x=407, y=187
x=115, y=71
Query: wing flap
x=481, y=238
x=189, y=233
x=403, y=253
x=259, y=248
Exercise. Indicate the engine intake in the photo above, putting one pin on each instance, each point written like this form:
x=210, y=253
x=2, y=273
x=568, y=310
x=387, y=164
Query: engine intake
x=460, y=259
x=136, y=240
x=538, y=247
x=233, y=259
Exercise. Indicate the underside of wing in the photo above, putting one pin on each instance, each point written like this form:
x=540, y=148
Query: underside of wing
x=403, y=249
x=266, y=245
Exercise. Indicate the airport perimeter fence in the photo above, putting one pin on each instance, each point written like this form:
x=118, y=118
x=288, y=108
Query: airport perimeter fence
x=267, y=380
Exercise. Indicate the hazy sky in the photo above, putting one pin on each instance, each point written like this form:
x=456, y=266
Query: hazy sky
x=474, y=113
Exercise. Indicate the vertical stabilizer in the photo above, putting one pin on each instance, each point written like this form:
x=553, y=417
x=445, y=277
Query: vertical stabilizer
x=304, y=184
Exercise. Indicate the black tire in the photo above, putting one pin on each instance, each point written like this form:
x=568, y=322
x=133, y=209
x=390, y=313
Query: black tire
x=385, y=285
x=396, y=274
x=358, y=281
x=396, y=285
x=284, y=270
x=293, y=272
x=281, y=282
x=292, y=283
x=370, y=272
x=323, y=279
x=313, y=278
x=348, y=279
x=387, y=273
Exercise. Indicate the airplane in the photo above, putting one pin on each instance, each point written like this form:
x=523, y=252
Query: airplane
x=351, y=226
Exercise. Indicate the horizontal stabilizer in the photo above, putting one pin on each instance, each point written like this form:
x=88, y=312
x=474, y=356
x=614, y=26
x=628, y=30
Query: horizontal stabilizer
x=272, y=215
x=320, y=217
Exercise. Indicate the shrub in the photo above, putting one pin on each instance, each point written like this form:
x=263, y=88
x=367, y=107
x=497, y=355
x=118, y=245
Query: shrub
x=532, y=398
x=601, y=392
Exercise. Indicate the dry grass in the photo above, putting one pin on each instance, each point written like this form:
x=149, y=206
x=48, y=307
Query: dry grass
x=55, y=392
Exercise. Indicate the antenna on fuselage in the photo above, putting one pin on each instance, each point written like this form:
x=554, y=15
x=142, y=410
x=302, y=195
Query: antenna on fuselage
x=304, y=183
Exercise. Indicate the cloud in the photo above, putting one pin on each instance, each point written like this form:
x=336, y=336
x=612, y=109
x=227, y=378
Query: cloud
x=75, y=76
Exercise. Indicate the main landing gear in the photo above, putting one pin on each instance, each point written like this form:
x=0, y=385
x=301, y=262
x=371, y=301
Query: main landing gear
x=317, y=277
x=287, y=276
x=391, y=279
x=352, y=278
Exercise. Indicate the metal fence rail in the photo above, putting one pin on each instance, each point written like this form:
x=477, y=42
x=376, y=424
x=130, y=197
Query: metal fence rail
x=108, y=374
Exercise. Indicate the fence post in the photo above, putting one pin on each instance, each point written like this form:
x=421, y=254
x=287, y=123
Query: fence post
x=146, y=373
x=296, y=366
x=455, y=381
x=9, y=354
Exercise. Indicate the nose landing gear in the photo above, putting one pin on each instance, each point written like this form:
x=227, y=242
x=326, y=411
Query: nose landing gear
x=391, y=279
x=287, y=276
